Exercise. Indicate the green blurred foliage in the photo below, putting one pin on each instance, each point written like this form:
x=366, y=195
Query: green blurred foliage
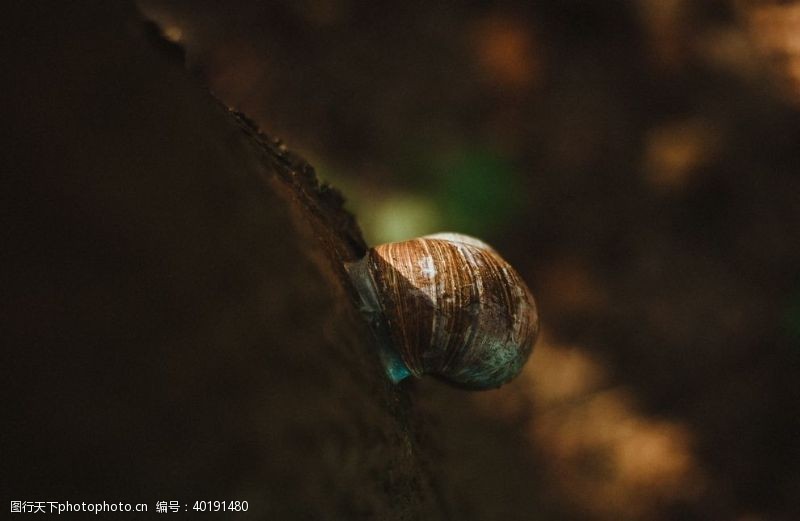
x=477, y=191
x=473, y=190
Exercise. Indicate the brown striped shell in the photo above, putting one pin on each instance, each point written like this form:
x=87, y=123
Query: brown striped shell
x=449, y=305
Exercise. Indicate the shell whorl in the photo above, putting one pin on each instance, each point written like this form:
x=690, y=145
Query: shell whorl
x=451, y=306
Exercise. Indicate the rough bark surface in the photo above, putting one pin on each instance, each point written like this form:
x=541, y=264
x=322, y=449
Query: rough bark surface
x=178, y=324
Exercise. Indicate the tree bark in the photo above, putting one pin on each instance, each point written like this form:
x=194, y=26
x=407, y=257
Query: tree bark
x=178, y=325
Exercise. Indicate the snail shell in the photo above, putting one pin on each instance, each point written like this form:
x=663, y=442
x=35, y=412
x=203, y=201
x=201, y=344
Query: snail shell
x=448, y=305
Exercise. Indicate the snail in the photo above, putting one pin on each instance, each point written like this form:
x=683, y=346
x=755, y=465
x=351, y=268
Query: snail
x=446, y=305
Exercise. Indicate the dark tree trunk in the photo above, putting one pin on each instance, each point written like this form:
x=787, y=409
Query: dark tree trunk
x=178, y=324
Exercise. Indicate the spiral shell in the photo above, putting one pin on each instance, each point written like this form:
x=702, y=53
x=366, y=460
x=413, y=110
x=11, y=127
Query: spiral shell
x=448, y=305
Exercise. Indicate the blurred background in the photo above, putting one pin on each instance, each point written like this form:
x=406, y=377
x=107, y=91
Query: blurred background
x=638, y=161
